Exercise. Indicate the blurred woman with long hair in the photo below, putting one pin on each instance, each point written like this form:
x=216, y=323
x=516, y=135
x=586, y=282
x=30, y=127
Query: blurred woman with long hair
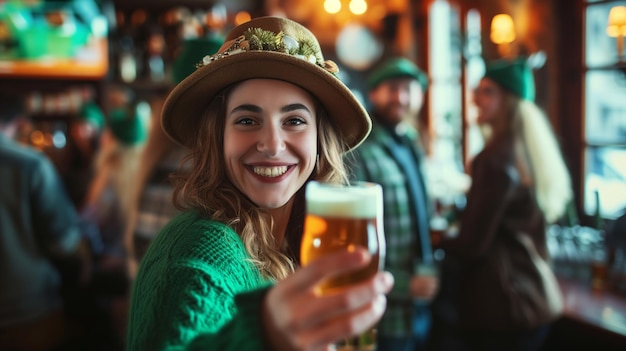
x=520, y=183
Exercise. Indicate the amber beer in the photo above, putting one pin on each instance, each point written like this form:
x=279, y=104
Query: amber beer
x=342, y=218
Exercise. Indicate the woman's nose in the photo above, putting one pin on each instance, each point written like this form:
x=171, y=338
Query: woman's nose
x=271, y=141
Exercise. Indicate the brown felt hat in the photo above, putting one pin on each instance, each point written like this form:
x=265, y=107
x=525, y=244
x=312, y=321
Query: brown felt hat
x=265, y=48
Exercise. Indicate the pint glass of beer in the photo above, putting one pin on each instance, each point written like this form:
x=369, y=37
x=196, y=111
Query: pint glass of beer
x=342, y=217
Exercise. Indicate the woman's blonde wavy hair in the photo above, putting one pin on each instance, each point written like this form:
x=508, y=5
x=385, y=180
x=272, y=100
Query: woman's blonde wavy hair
x=205, y=187
x=550, y=177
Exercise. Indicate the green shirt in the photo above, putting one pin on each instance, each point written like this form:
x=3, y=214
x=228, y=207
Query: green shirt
x=196, y=289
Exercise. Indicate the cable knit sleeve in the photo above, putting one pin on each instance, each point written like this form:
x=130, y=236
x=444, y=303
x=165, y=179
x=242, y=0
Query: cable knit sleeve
x=196, y=289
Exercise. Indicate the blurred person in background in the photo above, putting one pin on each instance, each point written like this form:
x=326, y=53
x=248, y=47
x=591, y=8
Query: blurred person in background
x=508, y=295
x=109, y=203
x=392, y=156
x=152, y=204
x=83, y=143
x=109, y=199
x=43, y=255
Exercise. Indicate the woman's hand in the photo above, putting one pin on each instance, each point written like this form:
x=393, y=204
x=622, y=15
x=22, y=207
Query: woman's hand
x=298, y=317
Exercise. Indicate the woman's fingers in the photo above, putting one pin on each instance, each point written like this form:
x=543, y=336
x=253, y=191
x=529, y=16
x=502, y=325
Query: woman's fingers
x=304, y=314
x=295, y=299
x=333, y=264
x=309, y=320
x=347, y=299
x=345, y=325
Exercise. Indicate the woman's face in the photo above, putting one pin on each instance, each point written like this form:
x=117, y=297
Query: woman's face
x=488, y=97
x=270, y=140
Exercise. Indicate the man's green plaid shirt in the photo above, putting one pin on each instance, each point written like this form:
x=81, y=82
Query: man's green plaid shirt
x=405, y=200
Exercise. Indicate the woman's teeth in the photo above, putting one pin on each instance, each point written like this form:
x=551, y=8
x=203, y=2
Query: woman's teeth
x=270, y=171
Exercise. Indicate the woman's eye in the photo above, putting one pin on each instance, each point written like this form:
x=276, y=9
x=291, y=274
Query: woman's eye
x=245, y=121
x=296, y=121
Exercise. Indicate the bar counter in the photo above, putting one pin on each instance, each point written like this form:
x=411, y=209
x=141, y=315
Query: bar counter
x=602, y=309
x=592, y=319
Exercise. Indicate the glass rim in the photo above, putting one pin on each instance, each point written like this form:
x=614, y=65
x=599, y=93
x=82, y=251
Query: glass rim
x=351, y=183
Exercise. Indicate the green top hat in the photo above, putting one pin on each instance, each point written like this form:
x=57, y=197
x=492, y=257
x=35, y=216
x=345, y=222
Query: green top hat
x=193, y=50
x=396, y=68
x=514, y=76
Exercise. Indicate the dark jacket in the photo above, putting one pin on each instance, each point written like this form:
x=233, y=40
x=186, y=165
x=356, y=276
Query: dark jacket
x=38, y=224
x=500, y=285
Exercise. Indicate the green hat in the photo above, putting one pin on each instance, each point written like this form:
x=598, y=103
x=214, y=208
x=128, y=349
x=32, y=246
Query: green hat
x=92, y=113
x=266, y=47
x=514, y=76
x=396, y=68
x=127, y=126
x=194, y=49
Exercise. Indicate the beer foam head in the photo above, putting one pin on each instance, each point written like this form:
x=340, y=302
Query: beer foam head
x=362, y=200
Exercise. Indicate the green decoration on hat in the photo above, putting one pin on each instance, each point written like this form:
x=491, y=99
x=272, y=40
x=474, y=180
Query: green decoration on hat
x=192, y=52
x=127, y=126
x=514, y=76
x=396, y=68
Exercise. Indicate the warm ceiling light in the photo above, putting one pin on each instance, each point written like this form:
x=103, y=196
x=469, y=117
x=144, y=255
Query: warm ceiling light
x=358, y=7
x=617, y=28
x=242, y=17
x=332, y=6
x=617, y=22
x=502, y=29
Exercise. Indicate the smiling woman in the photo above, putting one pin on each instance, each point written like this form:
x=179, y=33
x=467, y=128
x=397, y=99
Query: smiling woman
x=262, y=117
x=270, y=140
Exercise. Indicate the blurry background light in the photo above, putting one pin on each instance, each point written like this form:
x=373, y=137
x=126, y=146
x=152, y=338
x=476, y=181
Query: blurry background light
x=242, y=17
x=503, y=34
x=332, y=6
x=358, y=7
x=617, y=28
x=502, y=29
x=617, y=22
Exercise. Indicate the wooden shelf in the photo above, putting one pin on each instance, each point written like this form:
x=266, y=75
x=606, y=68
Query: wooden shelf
x=90, y=62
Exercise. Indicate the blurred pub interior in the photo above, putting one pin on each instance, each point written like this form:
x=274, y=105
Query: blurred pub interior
x=61, y=55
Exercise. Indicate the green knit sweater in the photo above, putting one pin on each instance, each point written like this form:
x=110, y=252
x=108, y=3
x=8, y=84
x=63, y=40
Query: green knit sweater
x=196, y=290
